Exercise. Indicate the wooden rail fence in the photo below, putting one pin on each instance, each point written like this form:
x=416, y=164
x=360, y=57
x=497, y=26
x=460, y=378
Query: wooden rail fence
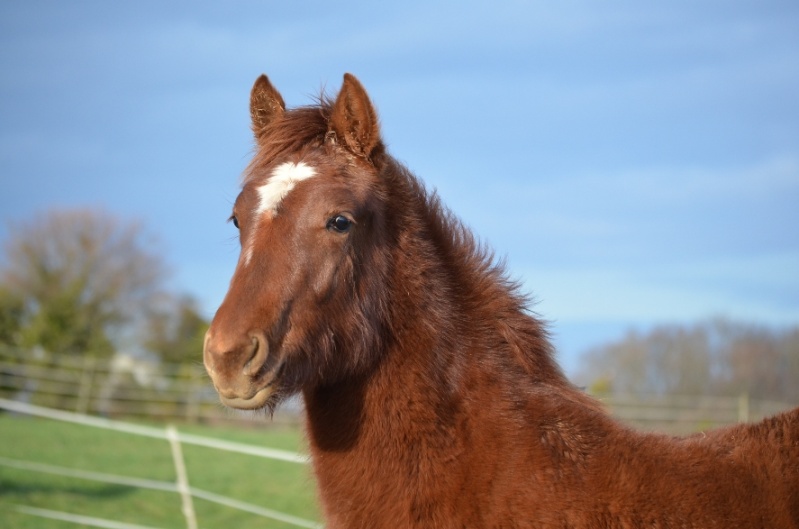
x=126, y=386
x=123, y=386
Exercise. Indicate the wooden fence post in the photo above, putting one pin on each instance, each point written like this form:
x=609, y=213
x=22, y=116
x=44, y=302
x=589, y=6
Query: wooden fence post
x=743, y=407
x=85, y=388
x=192, y=397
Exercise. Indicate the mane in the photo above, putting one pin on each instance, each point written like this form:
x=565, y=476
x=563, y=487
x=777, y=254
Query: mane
x=481, y=285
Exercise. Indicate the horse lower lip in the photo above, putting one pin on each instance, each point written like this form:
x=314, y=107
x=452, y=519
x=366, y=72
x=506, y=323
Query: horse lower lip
x=252, y=403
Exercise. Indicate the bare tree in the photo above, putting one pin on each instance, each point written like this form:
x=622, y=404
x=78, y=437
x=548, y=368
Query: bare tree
x=87, y=280
x=716, y=357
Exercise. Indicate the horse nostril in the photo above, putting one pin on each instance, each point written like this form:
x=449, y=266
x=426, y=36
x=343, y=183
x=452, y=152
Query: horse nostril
x=228, y=359
x=260, y=350
x=208, y=353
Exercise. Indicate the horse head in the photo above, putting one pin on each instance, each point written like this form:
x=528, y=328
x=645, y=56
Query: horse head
x=300, y=307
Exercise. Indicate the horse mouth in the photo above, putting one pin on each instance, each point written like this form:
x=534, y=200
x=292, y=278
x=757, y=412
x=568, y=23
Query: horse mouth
x=254, y=402
x=251, y=393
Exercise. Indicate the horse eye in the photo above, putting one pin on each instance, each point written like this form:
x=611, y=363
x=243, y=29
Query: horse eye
x=235, y=221
x=339, y=223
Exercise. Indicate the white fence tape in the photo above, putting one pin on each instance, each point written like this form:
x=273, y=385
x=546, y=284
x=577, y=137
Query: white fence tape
x=183, y=478
x=165, y=486
x=90, y=521
x=147, y=431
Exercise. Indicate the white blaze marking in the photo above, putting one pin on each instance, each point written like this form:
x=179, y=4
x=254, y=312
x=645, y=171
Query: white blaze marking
x=284, y=177
x=283, y=180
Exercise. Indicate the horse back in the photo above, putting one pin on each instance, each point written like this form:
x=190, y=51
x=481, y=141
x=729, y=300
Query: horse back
x=758, y=466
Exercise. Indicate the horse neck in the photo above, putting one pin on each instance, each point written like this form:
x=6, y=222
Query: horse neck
x=453, y=317
x=458, y=369
x=459, y=358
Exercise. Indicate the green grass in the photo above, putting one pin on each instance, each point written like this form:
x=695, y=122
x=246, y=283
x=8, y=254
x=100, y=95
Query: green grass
x=280, y=486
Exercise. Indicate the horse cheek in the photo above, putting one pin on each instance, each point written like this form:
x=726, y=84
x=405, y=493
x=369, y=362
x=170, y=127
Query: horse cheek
x=326, y=281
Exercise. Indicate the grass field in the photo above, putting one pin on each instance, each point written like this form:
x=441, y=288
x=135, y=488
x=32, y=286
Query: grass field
x=280, y=486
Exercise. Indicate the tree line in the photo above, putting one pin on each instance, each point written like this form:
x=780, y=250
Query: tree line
x=715, y=357
x=85, y=282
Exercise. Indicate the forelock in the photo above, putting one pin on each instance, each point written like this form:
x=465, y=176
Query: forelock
x=296, y=130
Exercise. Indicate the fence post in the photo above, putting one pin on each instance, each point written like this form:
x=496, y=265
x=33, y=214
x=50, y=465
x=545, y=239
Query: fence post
x=85, y=388
x=743, y=407
x=182, y=478
x=192, y=397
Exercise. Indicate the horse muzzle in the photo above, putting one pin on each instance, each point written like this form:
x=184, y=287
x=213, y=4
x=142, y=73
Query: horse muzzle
x=238, y=369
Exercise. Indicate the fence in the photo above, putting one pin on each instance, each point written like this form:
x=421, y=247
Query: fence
x=181, y=486
x=681, y=414
x=127, y=386
x=123, y=386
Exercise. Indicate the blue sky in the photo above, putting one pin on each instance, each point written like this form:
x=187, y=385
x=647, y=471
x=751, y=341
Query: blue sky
x=635, y=163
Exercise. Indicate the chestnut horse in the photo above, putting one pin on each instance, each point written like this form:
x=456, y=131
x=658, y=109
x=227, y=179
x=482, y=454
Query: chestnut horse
x=432, y=397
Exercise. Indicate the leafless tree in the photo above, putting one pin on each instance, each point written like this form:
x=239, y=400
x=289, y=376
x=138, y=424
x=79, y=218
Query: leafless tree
x=716, y=357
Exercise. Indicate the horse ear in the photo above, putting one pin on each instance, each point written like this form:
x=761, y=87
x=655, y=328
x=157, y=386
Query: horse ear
x=266, y=104
x=354, y=119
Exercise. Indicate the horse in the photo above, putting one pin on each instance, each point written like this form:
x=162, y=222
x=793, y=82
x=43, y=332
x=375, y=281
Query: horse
x=432, y=399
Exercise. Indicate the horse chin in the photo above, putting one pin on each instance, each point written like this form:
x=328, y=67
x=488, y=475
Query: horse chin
x=261, y=399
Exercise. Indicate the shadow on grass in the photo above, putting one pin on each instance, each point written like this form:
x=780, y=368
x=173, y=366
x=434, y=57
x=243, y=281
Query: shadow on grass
x=19, y=491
